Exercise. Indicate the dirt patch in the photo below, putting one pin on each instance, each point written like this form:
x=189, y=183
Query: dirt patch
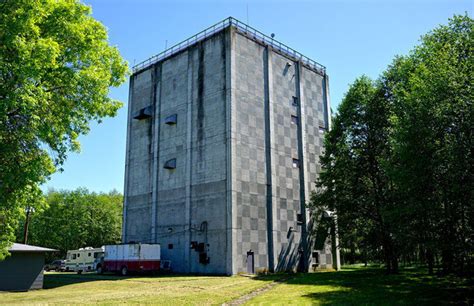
x=245, y=298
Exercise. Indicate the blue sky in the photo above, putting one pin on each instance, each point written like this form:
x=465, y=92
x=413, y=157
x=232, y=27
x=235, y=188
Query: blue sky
x=350, y=38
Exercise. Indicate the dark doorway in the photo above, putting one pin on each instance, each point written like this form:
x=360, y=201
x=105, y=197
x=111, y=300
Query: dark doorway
x=250, y=263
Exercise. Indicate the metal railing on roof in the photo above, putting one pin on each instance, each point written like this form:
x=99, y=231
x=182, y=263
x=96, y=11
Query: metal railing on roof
x=240, y=27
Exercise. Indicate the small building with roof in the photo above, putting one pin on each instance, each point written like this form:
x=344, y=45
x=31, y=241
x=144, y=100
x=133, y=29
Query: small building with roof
x=23, y=269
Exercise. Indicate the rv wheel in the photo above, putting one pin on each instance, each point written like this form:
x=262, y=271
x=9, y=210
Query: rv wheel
x=124, y=271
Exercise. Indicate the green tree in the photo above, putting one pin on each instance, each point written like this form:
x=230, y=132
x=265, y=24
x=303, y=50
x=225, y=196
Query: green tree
x=355, y=182
x=56, y=67
x=75, y=219
x=432, y=93
x=398, y=166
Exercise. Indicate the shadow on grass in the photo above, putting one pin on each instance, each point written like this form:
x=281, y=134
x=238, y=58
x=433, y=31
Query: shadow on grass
x=55, y=280
x=373, y=286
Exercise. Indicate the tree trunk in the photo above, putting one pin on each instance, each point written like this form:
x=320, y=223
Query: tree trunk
x=430, y=261
x=353, y=251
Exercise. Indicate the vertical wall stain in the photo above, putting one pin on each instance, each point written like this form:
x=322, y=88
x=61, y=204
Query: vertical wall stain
x=224, y=74
x=200, y=100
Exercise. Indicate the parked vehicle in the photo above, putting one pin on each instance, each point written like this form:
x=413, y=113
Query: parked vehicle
x=132, y=257
x=56, y=265
x=84, y=259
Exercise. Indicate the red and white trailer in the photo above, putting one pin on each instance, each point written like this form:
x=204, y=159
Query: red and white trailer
x=133, y=257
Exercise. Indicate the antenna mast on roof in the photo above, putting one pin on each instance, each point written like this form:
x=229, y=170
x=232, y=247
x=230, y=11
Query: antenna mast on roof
x=247, y=13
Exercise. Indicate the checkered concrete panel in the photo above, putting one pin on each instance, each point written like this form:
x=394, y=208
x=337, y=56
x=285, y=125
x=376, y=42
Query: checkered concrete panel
x=285, y=148
x=314, y=113
x=249, y=178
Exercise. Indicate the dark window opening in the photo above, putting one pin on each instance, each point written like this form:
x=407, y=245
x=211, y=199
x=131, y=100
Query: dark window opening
x=299, y=219
x=295, y=101
x=203, y=258
x=294, y=119
x=296, y=163
x=170, y=246
x=201, y=247
x=170, y=164
x=143, y=113
x=89, y=254
x=172, y=119
x=315, y=256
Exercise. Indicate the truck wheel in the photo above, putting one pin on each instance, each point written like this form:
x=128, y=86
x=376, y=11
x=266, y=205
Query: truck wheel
x=124, y=271
x=100, y=270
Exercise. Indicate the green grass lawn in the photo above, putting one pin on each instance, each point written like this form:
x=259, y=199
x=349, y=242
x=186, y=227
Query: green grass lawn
x=70, y=288
x=369, y=286
x=351, y=286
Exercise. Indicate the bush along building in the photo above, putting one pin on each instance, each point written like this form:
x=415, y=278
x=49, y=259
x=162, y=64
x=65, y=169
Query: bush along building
x=224, y=135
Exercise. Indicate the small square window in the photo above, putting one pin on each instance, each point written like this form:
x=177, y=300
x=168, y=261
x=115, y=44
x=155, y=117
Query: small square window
x=170, y=164
x=294, y=119
x=296, y=163
x=170, y=246
x=295, y=101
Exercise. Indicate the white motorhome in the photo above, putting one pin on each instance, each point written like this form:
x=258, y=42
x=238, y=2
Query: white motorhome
x=84, y=259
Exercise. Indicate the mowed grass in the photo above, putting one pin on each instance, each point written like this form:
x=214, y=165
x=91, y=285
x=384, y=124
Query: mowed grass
x=369, y=286
x=70, y=288
x=351, y=286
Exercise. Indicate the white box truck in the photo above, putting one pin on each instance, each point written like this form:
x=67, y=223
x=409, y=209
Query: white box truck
x=132, y=257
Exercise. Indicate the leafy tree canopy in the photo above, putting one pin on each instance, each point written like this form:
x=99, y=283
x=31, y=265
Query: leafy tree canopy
x=56, y=67
x=76, y=219
x=398, y=162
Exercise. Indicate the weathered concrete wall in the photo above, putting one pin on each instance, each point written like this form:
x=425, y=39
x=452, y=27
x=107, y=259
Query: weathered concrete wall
x=174, y=207
x=277, y=108
x=285, y=173
x=246, y=143
x=248, y=158
x=315, y=123
x=209, y=155
x=138, y=162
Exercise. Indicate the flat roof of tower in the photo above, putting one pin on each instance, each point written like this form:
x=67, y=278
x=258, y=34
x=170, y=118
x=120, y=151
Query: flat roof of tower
x=241, y=28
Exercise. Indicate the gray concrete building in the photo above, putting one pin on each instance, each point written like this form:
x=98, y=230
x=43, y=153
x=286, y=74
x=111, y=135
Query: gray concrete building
x=224, y=135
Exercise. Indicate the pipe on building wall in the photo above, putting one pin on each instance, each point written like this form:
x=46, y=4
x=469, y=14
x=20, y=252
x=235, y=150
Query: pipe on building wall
x=268, y=157
x=335, y=237
x=155, y=141
x=127, y=161
x=303, y=266
x=189, y=130
x=230, y=236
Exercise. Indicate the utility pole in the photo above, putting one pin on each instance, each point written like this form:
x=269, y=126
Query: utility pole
x=28, y=210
